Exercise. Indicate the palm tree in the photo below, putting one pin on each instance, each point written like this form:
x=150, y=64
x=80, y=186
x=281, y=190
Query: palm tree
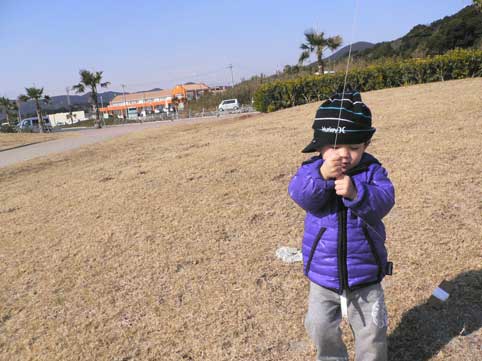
x=91, y=80
x=8, y=107
x=175, y=103
x=317, y=43
x=71, y=117
x=37, y=95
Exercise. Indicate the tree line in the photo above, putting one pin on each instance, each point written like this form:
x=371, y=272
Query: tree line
x=89, y=80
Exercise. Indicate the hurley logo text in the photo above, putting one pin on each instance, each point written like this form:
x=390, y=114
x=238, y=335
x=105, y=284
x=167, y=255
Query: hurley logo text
x=333, y=130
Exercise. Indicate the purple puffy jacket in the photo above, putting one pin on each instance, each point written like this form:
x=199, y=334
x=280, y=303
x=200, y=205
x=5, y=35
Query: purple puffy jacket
x=344, y=240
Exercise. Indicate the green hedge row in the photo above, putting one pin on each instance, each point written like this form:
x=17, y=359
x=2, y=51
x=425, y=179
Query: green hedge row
x=455, y=64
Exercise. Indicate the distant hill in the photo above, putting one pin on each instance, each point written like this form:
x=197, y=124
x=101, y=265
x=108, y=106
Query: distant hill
x=356, y=47
x=59, y=103
x=150, y=90
x=461, y=30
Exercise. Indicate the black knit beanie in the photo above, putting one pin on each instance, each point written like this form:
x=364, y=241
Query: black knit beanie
x=355, y=121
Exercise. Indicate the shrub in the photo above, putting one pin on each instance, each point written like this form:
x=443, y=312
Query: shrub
x=7, y=128
x=455, y=64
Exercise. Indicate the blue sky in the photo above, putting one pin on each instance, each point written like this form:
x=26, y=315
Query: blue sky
x=148, y=44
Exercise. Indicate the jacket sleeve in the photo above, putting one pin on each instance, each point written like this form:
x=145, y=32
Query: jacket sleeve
x=374, y=199
x=309, y=189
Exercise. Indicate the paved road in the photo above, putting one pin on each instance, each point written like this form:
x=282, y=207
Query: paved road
x=89, y=136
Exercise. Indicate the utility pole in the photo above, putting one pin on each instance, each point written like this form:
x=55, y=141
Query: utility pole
x=70, y=107
x=230, y=66
x=144, y=111
x=125, y=102
x=102, y=105
x=19, y=113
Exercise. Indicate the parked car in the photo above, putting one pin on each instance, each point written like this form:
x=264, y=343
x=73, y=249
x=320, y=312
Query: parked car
x=31, y=125
x=228, y=104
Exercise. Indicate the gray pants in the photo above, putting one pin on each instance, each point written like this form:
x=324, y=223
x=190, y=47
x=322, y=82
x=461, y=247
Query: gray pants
x=367, y=316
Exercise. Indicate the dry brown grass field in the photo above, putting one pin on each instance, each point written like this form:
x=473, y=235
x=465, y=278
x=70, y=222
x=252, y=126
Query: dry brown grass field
x=160, y=245
x=11, y=140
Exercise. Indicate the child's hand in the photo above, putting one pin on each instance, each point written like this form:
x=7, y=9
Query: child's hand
x=331, y=167
x=344, y=187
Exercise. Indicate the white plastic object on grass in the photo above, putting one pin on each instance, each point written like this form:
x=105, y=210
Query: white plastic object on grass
x=289, y=254
x=441, y=294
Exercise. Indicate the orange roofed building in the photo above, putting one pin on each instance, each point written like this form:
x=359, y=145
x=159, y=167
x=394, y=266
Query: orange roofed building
x=153, y=101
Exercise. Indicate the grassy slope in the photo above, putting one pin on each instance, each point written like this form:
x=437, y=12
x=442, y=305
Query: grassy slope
x=160, y=245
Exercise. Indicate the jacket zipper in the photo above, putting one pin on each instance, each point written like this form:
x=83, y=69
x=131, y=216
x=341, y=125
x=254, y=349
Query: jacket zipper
x=342, y=245
x=313, y=248
x=374, y=252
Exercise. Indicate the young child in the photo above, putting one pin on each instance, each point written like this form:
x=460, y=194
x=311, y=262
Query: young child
x=345, y=193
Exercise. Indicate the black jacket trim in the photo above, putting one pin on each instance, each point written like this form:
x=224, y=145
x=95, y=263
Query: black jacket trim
x=342, y=245
x=375, y=253
x=313, y=248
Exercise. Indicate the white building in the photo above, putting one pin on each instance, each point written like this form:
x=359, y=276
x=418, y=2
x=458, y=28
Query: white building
x=64, y=118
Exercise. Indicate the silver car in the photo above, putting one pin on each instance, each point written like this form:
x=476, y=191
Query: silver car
x=31, y=125
x=228, y=104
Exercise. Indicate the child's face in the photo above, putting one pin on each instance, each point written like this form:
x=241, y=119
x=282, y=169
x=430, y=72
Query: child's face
x=350, y=154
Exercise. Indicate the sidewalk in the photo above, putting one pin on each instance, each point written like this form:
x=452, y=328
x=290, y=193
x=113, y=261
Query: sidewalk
x=89, y=136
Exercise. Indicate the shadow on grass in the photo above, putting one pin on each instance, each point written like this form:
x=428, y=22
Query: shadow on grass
x=427, y=328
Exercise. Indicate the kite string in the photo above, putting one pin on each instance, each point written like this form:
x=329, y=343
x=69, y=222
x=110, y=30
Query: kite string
x=346, y=71
x=343, y=297
x=355, y=13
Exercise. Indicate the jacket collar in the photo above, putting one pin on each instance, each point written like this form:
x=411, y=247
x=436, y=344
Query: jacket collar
x=365, y=162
